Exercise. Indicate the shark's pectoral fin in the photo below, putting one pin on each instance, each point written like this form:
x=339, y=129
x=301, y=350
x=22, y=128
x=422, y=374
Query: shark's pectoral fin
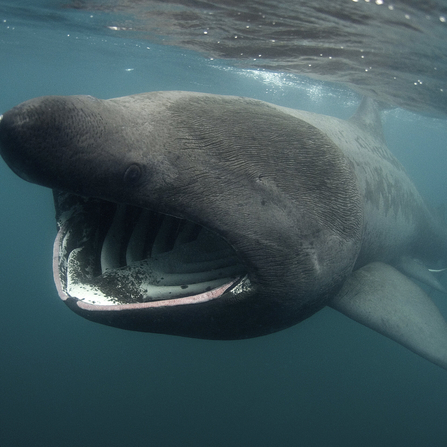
x=382, y=298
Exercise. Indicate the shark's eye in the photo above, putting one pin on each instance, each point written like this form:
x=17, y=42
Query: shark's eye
x=132, y=175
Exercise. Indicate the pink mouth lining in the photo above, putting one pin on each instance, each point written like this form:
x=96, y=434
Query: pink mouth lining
x=193, y=299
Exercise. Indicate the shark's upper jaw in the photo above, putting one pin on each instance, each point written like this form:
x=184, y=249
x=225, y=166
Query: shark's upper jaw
x=116, y=256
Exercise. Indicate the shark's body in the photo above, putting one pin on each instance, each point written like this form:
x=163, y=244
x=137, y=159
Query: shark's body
x=300, y=211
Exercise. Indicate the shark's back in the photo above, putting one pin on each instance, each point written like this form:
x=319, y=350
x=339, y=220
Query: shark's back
x=396, y=220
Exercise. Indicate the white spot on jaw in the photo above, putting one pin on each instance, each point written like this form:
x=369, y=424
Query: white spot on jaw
x=315, y=262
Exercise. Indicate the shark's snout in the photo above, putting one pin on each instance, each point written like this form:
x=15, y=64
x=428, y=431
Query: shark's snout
x=38, y=136
x=13, y=141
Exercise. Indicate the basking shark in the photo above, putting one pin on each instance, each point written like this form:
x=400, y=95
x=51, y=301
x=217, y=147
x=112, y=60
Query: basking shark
x=226, y=218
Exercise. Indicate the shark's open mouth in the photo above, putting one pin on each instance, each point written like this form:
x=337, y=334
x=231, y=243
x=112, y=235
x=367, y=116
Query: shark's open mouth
x=107, y=254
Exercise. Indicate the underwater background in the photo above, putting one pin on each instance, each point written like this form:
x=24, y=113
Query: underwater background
x=65, y=381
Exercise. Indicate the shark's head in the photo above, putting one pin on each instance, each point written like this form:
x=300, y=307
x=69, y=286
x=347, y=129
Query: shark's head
x=189, y=214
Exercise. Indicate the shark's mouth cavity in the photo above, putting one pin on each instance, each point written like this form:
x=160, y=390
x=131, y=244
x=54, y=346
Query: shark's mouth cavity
x=107, y=254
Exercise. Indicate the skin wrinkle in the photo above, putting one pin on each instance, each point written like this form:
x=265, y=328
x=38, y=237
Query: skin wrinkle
x=201, y=123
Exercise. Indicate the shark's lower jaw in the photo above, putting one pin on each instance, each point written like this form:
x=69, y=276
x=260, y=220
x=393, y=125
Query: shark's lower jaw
x=110, y=255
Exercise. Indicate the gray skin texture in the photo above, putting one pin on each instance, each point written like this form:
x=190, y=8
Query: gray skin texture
x=305, y=200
